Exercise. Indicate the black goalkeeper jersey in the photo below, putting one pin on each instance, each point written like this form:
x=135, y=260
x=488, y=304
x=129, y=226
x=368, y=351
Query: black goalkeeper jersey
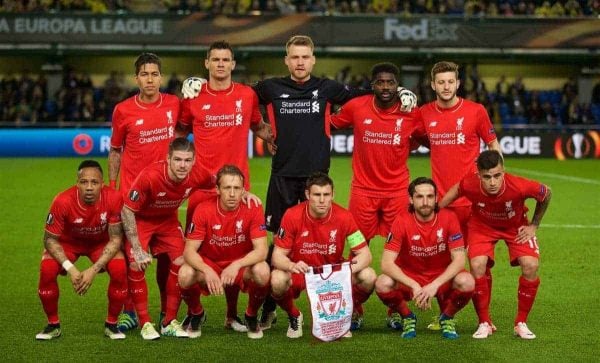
x=299, y=114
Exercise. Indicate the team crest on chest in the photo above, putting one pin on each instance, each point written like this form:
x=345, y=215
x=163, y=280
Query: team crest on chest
x=399, y=124
x=239, y=226
x=238, y=106
x=103, y=218
x=440, y=235
x=509, y=209
x=170, y=117
x=459, y=123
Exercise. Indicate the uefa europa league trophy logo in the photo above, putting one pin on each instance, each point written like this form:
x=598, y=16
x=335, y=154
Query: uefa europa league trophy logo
x=577, y=144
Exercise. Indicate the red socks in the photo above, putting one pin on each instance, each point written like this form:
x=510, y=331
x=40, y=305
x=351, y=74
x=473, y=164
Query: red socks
x=48, y=289
x=481, y=299
x=395, y=301
x=173, y=295
x=138, y=291
x=359, y=296
x=256, y=297
x=191, y=296
x=456, y=301
x=287, y=303
x=117, y=288
x=526, y=296
x=231, y=297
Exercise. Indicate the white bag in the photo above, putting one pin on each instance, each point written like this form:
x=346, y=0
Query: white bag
x=330, y=296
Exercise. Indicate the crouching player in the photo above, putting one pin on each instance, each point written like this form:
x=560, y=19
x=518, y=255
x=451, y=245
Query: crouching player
x=84, y=220
x=326, y=227
x=151, y=222
x=226, y=246
x=499, y=212
x=424, y=257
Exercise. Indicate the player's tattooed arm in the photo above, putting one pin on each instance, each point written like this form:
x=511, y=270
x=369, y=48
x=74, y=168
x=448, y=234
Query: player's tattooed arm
x=540, y=209
x=525, y=233
x=141, y=258
x=54, y=248
x=115, y=233
x=114, y=163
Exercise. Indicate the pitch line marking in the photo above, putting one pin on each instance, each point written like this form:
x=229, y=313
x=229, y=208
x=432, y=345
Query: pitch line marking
x=557, y=176
x=572, y=226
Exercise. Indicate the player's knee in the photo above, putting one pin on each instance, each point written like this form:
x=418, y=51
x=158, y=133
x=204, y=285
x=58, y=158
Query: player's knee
x=49, y=270
x=464, y=282
x=279, y=282
x=261, y=273
x=186, y=276
x=384, y=284
x=529, y=267
x=367, y=278
x=117, y=269
x=478, y=267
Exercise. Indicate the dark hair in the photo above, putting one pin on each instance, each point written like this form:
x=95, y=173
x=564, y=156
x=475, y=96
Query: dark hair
x=89, y=164
x=229, y=170
x=147, y=58
x=443, y=67
x=413, y=186
x=318, y=178
x=221, y=44
x=489, y=159
x=181, y=144
x=386, y=67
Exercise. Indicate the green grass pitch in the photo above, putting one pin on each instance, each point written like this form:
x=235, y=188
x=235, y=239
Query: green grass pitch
x=563, y=316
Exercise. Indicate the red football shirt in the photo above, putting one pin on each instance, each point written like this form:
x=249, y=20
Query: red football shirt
x=318, y=241
x=381, y=146
x=454, y=135
x=154, y=195
x=505, y=210
x=144, y=131
x=226, y=236
x=78, y=223
x=220, y=123
x=424, y=247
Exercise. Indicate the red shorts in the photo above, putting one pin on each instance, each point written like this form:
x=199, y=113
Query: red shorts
x=482, y=241
x=219, y=267
x=197, y=197
x=161, y=236
x=374, y=216
x=463, y=213
x=73, y=252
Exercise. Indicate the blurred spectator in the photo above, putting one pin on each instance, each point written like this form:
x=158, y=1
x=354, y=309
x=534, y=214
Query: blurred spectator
x=502, y=88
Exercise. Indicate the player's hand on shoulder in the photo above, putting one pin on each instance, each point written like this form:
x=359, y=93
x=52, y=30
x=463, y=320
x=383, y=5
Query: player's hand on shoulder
x=408, y=99
x=249, y=199
x=191, y=87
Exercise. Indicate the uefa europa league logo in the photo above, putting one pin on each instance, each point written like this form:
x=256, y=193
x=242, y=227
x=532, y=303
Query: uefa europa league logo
x=577, y=145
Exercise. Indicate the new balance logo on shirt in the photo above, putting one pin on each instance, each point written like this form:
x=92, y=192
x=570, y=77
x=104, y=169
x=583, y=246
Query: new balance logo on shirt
x=139, y=122
x=161, y=194
x=206, y=107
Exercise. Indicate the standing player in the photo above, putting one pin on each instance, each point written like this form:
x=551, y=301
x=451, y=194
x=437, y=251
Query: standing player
x=227, y=246
x=150, y=220
x=326, y=227
x=499, y=212
x=142, y=127
x=424, y=257
x=454, y=127
x=84, y=220
x=220, y=119
x=382, y=134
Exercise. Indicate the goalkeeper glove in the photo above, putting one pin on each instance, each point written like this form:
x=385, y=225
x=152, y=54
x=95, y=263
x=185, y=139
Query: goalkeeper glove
x=191, y=87
x=408, y=99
